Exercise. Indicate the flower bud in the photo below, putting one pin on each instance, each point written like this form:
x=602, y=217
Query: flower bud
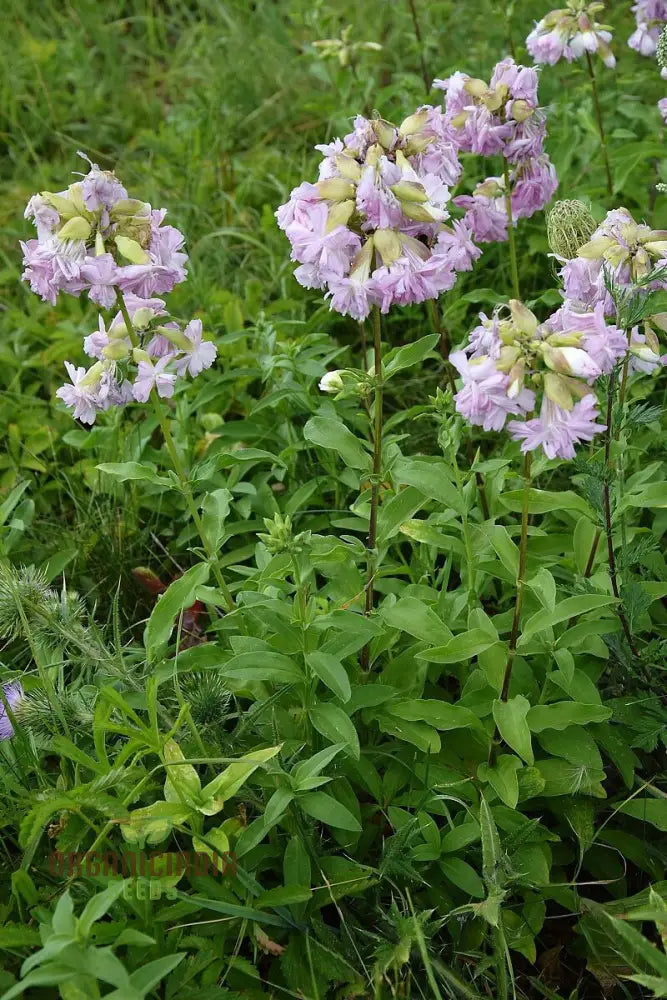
x=570, y=361
x=63, y=206
x=175, y=337
x=569, y=226
x=558, y=392
x=348, y=167
x=75, y=192
x=388, y=245
x=509, y=356
x=142, y=318
x=516, y=375
x=414, y=123
x=131, y=250
x=93, y=375
x=99, y=244
x=521, y=110
x=116, y=350
x=524, y=320
x=130, y=206
x=458, y=121
x=475, y=87
x=340, y=214
x=140, y=355
x=77, y=228
x=409, y=191
x=336, y=189
x=660, y=320
x=384, y=132
x=331, y=382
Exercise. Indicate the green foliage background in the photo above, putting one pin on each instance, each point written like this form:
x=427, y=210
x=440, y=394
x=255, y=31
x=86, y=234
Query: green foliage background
x=376, y=855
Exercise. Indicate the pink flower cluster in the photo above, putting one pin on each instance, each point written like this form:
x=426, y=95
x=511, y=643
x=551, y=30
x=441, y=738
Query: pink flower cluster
x=92, y=237
x=372, y=230
x=561, y=358
x=569, y=33
x=651, y=18
x=84, y=236
x=620, y=250
x=502, y=117
x=156, y=354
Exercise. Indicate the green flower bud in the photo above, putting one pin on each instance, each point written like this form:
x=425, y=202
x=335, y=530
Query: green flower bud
x=142, y=318
x=570, y=225
x=116, y=350
x=339, y=214
x=131, y=250
x=384, y=132
x=63, y=206
x=414, y=123
x=348, y=167
x=99, y=244
x=93, y=375
x=409, y=191
x=557, y=391
x=139, y=355
x=336, y=189
x=388, y=245
x=76, y=229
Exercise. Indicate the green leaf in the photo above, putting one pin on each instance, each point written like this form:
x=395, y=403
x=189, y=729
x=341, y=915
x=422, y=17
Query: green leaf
x=330, y=433
x=283, y=895
x=215, y=794
x=178, y=596
x=544, y=501
x=491, y=850
x=502, y=776
x=463, y=876
x=215, y=510
x=96, y=907
x=653, y=811
x=568, y=608
x=510, y=717
x=326, y=809
x=333, y=723
x=436, y=713
x=629, y=943
x=331, y=672
x=409, y=355
x=505, y=548
x=461, y=647
x=264, y=666
x=133, y=470
x=417, y=619
x=650, y=495
x=561, y=714
x=425, y=737
x=432, y=479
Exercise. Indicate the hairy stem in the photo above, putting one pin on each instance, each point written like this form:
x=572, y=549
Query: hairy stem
x=598, y=113
x=177, y=463
x=510, y=231
x=377, y=472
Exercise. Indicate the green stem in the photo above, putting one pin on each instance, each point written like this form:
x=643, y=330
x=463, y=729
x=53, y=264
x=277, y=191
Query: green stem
x=606, y=501
x=179, y=468
x=520, y=579
x=510, y=231
x=470, y=573
x=377, y=472
x=598, y=112
x=420, y=45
